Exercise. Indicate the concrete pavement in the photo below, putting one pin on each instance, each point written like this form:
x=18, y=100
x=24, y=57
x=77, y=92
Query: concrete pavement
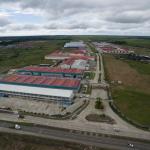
x=75, y=136
x=80, y=125
x=97, y=72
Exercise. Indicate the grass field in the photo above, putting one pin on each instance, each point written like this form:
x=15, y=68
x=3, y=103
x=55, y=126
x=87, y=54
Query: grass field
x=89, y=75
x=133, y=96
x=21, y=142
x=18, y=57
x=143, y=42
x=142, y=68
x=134, y=104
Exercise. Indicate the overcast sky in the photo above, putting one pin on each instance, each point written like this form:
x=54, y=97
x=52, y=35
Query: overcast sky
x=51, y=17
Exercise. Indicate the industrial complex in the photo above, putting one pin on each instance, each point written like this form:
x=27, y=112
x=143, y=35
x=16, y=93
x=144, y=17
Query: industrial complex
x=57, y=84
x=110, y=48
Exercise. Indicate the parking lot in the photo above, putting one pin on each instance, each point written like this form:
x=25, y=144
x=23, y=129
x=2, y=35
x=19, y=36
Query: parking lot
x=33, y=106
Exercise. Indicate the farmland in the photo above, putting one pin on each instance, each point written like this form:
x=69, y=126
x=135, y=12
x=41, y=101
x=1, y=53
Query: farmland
x=142, y=68
x=132, y=96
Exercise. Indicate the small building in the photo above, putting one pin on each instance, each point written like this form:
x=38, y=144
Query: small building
x=80, y=64
x=75, y=63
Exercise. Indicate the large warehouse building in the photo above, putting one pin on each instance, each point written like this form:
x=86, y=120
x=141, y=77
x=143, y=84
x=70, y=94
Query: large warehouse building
x=51, y=72
x=75, y=64
x=41, y=87
x=75, y=45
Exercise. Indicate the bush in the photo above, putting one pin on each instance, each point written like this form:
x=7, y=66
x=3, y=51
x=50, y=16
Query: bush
x=99, y=104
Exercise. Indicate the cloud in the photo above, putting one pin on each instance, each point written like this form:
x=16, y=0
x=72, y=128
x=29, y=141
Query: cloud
x=79, y=16
x=4, y=21
x=19, y=27
x=130, y=17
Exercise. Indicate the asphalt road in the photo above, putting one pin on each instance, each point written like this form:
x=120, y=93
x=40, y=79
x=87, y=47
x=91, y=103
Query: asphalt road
x=79, y=137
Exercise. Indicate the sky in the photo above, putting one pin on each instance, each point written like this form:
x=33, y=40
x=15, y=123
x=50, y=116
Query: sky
x=74, y=17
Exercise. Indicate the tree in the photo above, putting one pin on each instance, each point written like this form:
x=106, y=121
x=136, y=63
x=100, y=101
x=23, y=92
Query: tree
x=99, y=104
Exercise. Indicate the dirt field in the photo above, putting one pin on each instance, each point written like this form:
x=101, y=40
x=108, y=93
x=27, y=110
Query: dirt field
x=119, y=70
x=132, y=97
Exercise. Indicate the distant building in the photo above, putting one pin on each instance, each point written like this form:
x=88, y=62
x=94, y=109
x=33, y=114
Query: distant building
x=75, y=45
x=80, y=64
x=75, y=64
x=109, y=48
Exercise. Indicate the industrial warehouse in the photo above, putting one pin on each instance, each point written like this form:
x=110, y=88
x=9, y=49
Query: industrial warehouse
x=58, y=84
x=56, y=89
x=53, y=72
x=75, y=45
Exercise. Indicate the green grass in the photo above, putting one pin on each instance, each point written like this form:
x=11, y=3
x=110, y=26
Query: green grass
x=134, y=104
x=89, y=75
x=19, y=57
x=99, y=104
x=9, y=141
x=138, y=42
x=89, y=90
x=92, y=47
x=143, y=68
x=127, y=40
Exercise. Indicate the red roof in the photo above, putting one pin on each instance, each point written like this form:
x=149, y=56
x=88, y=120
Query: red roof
x=69, y=61
x=83, y=57
x=107, y=48
x=52, y=70
x=79, y=51
x=42, y=80
x=58, y=53
x=125, y=49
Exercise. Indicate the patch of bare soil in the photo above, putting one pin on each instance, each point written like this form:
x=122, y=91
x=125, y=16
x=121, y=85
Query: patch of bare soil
x=100, y=118
x=119, y=70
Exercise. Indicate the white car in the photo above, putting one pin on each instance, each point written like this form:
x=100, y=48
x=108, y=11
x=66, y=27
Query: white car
x=131, y=145
x=17, y=127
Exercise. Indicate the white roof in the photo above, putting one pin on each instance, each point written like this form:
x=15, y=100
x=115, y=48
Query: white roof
x=36, y=90
x=80, y=63
x=75, y=44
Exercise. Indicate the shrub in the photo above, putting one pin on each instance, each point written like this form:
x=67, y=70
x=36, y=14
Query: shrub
x=99, y=104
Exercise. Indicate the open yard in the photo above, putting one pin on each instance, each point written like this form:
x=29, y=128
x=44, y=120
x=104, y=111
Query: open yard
x=30, y=106
x=133, y=96
x=27, y=53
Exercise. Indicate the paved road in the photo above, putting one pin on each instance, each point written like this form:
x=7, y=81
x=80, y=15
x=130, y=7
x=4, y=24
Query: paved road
x=97, y=72
x=102, y=69
x=76, y=136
